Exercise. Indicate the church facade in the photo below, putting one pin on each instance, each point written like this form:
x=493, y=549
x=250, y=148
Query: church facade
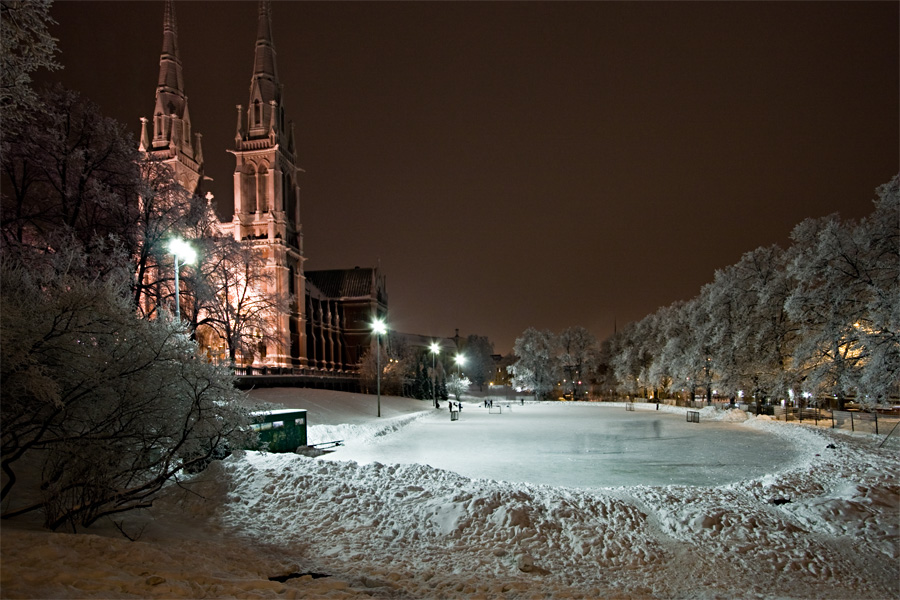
x=326, y=325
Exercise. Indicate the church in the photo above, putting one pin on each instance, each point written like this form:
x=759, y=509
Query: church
x=327, y=324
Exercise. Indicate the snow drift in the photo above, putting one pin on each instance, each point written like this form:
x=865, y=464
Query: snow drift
x=825, y=527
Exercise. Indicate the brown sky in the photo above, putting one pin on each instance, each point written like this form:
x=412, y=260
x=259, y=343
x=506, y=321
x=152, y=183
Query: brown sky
x=545, y=164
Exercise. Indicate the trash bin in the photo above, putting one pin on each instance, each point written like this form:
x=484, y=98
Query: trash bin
x=283, y=430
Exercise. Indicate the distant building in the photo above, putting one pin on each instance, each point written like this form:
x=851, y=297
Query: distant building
x=339, y=307
x=326, y=326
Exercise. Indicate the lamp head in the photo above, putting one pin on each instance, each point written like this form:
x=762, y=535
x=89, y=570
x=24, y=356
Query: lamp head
x=184, y=251
x=379, y=326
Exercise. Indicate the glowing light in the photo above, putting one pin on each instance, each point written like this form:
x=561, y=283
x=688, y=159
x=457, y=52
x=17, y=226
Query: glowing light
x=183, y=251
x=379, y=326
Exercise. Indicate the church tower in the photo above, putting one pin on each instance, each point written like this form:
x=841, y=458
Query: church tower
x=171, y=140
x=266, y=194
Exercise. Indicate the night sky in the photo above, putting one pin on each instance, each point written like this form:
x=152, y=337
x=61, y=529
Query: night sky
x=542, y=164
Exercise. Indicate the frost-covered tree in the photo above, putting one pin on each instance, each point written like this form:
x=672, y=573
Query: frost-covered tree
x=70, y=177
x=764, y=343
x=577, y=357
x=100, y=408
x=232, y=293
x=535, y=367
x=845, y=301
x=633, y=356
x=879, y=372
x=665, y=327
x=458, y=385
x=820, y=317
x=395, y=368
x=25, y=47
x=166, y=211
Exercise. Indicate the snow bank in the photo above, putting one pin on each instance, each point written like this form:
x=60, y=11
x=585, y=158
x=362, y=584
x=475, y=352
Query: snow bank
x=824, y=527
x=358, y=434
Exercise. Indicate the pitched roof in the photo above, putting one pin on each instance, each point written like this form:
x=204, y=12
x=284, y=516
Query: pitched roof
x=344, y=283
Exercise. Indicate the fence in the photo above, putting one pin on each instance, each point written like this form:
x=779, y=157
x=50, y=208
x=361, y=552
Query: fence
x=848, y=420
x=878, y=424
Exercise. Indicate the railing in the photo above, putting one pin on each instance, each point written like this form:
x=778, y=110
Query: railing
x=251, y=371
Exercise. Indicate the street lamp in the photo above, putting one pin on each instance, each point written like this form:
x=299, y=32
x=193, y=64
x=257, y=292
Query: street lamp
x=378, y=328
x=434, y=352
x=460, y=360
x=180, y=249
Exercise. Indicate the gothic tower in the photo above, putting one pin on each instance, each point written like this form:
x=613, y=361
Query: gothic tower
x=266, y=194
x=171, y=140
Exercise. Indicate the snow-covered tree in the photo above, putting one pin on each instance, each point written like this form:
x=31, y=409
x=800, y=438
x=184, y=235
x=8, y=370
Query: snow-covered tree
x=166, y=211
x=879, y=372
x=845, y=301
x=232, y=293
x=536, y=367
x=577, y=357
x=71, y=176
x=25, y=47
x=100, y=408
x=763, y=344
x=458, y=385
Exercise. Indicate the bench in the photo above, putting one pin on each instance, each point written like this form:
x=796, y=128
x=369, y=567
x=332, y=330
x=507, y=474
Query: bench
x=324, y=445
x=693, y=416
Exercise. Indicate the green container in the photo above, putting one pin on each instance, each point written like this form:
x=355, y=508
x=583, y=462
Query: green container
x=281, y=430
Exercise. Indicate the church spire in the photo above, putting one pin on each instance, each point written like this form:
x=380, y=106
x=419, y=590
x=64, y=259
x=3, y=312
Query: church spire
x=170, y=75
x=265, y=116
x=171, y=124
x=265, y=72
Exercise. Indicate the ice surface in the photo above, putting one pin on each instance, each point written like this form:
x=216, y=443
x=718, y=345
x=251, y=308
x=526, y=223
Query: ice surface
x=578, y=445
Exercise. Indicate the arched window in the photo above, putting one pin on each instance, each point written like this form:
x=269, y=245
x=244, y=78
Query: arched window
x=248, y=189
x=257, y=113
x=262, y=192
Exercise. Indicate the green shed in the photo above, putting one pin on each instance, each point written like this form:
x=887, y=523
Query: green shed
x=282, y=430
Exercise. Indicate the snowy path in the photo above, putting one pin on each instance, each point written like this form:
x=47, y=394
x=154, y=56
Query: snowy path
x=414, y=531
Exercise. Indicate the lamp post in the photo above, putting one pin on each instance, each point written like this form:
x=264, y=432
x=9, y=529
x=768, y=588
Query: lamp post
x=460, y=360
x=434, y=352
x=180, y=249
x=378, y=327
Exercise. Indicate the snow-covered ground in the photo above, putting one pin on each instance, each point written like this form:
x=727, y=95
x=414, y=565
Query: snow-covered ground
x=824, y=524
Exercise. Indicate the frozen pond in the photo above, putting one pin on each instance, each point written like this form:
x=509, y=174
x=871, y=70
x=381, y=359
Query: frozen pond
x=579, y=446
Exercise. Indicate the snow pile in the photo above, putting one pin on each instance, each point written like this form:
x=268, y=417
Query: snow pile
x=358, y=434
x=824, y=527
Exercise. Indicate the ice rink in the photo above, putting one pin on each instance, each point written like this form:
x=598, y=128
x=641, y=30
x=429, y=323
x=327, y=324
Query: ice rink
x=576, y=445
